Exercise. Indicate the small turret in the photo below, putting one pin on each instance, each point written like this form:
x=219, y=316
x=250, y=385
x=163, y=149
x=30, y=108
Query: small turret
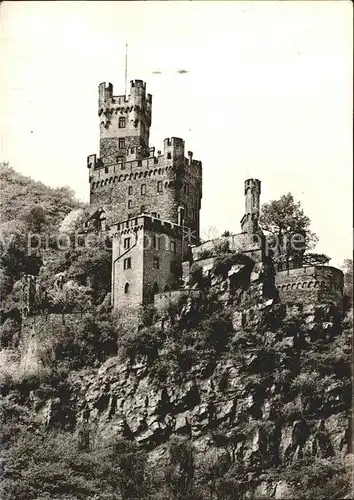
x=249, y=222
x=105, y=92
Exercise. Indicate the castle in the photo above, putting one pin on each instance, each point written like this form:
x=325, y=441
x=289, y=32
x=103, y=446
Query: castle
x=150, y=204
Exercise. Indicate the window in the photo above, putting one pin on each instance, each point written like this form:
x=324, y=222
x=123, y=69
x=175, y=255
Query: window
x=169, y=156
x=129, y=217
x=156, y=242
x=126, y=288
x=156, y=263
x=143, y=189
x=119, y=159
x=106, y=170
x=130, y=190
x=186, y=188
x=130, y=203
x=159, y=187
x=173, y=267
x=139, y=163
x=127, y=263
x=121, y=143
x=121, y=122
x=173, y=246
x=142, y=209
x=126, y=243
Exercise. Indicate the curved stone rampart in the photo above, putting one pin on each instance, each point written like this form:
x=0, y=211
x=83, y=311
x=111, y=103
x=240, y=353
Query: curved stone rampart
x=310, y=284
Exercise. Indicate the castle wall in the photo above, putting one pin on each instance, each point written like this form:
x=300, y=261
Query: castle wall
x=118, y=189
x=317, y=284
x=251, y=244
x=156, y=254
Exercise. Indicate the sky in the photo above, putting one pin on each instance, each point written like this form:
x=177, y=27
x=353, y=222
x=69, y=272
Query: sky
x=267, y=93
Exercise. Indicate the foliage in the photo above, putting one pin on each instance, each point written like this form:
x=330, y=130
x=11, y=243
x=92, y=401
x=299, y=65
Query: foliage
x=347, y=269
x=318, y=478
x=23, y=199
x=179, y=473
x=73, y=221
x=197, y=277
x=27, y=208
x=316, y=259
x=224, y=263
x=51, y=465
x=221, y=246
x=205, y=253
x=86, y=343
x=283, y=219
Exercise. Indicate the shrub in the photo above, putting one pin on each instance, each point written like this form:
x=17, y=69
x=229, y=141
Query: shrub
x=221, y=247
x=205, y=253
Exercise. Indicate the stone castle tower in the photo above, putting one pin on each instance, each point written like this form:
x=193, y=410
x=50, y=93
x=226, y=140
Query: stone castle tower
x=249, y=222
x=128, y=178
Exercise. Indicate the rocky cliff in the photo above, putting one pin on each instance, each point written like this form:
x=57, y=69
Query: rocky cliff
x=242, y=376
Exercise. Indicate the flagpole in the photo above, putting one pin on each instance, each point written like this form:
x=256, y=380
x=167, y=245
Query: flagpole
x=126, y=71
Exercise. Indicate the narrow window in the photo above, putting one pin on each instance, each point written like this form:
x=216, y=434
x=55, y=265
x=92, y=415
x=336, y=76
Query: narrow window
x=130, y=203
x=159, y=187
x=156, y=242
x=121, y=143
x=142, y=209
x=127, y=263
x=139, y=163
x=169, y=156
x=119, y=159
x=143, y=189
x=156, y=263
x=130, y=190
x=173, y=246
x=126, y=243
x=126, y=288
x=121, y=122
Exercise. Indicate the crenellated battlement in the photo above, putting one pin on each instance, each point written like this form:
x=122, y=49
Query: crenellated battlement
x=310, y=284
x=143, y=222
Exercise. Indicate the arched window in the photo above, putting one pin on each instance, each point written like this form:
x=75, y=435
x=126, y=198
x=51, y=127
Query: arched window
x=143, y=189
x=155, y=288
x=159, y=186
x=126, y=288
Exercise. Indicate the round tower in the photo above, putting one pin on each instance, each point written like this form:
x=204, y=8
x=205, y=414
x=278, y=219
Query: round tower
x=249, y=222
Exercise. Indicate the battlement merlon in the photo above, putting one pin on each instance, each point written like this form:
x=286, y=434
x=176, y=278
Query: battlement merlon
x=146, y=221
x=137, y=94
x=150, y=158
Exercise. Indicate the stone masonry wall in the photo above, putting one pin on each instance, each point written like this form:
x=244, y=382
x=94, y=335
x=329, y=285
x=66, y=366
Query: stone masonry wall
x=150, y=239
x=317, y=284
x=242, y=242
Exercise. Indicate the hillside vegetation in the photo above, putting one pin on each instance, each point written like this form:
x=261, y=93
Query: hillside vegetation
x=199, y=406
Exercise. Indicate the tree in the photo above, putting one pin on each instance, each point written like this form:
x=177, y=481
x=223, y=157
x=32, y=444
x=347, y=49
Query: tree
x=73, y=221
x=35, y=218
x=72, y=296
x=287, y=228
x=347, y=269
